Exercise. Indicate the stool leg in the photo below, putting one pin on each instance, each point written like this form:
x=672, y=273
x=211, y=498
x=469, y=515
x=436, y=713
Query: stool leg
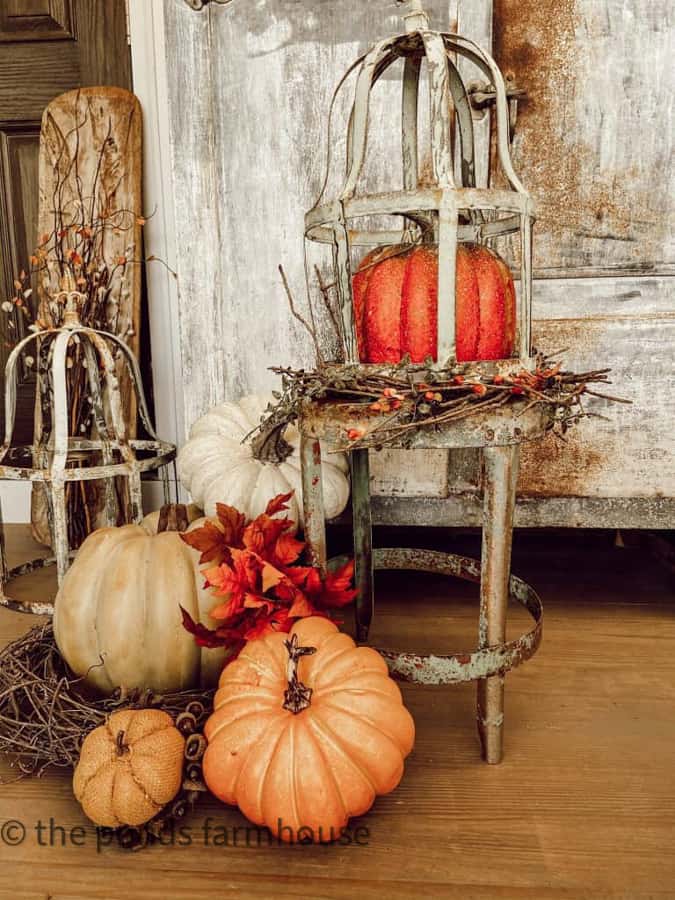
x=312, y=500
x=501, y=473
x=363, y=543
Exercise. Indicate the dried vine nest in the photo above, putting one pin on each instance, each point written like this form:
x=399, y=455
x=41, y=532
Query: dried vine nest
x=46, y=712
x=399, y=399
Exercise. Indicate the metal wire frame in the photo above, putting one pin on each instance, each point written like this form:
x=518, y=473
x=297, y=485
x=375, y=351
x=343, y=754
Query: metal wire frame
x=50, y=457
x=490, y=212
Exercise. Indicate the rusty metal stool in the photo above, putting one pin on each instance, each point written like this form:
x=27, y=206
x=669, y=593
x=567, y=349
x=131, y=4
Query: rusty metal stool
x=444, y=198
x=498, y=434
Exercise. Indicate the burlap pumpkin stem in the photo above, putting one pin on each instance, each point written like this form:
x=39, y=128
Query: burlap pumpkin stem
x=46, y=712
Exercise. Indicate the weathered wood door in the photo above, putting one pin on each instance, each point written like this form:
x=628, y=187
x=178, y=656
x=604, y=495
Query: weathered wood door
x=248, y=108
x=46, y=47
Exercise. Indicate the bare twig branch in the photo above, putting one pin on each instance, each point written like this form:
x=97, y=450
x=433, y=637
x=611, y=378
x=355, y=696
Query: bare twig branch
x=310, y=329
x=396, y=400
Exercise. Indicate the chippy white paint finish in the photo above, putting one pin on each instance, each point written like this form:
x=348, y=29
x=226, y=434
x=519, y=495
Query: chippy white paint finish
x=249, y=89
x=254, y=83
x=267, y=80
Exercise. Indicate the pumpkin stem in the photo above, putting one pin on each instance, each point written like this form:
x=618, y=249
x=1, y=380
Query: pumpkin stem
x=173, y=517
x=297, y=696
x=120, y=744
x=269, y=444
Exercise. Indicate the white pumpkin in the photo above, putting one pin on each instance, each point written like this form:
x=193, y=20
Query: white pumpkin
x=117, y=618
x=216, y=467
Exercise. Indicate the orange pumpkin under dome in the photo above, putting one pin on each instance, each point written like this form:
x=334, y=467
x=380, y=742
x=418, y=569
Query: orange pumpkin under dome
x=395, y=292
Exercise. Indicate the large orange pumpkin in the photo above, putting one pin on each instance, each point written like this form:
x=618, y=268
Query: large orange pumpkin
x=395, y=294
x=307, y=729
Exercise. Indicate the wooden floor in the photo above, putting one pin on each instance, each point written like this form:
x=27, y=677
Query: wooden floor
x=582, y=806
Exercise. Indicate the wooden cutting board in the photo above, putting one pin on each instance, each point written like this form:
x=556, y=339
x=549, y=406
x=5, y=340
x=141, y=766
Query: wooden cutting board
x=90, y=166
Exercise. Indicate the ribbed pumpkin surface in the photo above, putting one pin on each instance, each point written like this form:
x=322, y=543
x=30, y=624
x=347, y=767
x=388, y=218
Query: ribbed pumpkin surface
x=117, y=618
x=396, y=304
x=317, y=768
x=128, y=782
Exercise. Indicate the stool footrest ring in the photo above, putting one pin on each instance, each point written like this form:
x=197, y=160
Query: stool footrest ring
x=451, y=668
x=33, y=607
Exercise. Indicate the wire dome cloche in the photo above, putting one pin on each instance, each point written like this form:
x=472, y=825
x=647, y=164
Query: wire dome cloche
x=55, y=457
x=437, y=206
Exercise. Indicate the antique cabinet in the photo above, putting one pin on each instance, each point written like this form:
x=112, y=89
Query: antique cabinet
x=247, y=88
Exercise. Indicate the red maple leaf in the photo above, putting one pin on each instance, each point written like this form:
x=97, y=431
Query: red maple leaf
x=278, y=620
x=255, y=601
x=301, y=607
x=255, y=570
x=336, y=589
x=306, y=577
x=262, y=534
x=209, y=540
x=287, y=550
x=278, y=503
x=233, y=523
x=204, y=637
x=234, y=582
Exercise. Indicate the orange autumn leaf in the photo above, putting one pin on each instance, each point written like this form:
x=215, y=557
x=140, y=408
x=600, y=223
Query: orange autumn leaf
x=262, y=533
x=232, y=522
x=301, y=607
x=256, y=572
x=270, y=577
x=209, y=541
x=278, y=504
x=287, y=549
x=279, y=620
x=256, y=601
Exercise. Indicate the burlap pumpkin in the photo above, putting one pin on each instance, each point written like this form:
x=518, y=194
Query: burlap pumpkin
x=129, y=768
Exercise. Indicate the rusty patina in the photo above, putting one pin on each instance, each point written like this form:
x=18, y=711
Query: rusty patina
x=513, y=424
x=458, y=666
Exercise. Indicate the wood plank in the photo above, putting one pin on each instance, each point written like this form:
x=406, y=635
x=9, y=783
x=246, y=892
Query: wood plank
x=101, y=128
x=582, y=807
x=95, y=23
x=22, y=95
x=39, y=20
x=91, y=160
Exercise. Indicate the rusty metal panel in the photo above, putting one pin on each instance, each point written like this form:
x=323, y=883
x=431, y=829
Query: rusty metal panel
x=600, y=79
x=629, y=453
x=629, y=324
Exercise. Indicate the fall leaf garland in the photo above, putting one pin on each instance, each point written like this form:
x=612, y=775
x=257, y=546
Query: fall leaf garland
x=256, y=573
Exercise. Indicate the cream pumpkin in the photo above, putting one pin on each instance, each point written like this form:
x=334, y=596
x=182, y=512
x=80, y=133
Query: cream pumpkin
x=117, y=618
x=307, y=729
x=217, y=464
